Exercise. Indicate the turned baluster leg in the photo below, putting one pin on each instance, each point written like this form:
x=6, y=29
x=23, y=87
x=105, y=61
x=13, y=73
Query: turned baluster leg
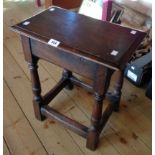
x=93, y=133
x=67, y=74
x=117, y=90
x=115, y=96
x=101, y=85
x=36, y=88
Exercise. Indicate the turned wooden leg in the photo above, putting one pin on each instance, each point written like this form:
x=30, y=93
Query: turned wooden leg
x=93, y=135
x=117, y=90
x=115, y=96
x=36, y=88
x=67, y=74
x=101, y=85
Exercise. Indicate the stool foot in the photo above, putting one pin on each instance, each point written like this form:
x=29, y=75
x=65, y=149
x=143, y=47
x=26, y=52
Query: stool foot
x=92, y=140
x=37, y=111
x=93, y=132
x=70, y=86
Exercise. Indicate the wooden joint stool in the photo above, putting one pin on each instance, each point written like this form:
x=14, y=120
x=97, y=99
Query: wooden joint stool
x=88, y=47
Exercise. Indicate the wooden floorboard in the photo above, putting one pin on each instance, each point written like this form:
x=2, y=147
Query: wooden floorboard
x=18, y=134
x=127, y=132
x=6, y=150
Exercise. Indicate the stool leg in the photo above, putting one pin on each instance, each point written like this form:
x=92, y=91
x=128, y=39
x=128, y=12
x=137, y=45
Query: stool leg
x=101, y=84
x=115, y=96
x=67, y=74
x=93, y=133
x=117, y=89
x=36, y=88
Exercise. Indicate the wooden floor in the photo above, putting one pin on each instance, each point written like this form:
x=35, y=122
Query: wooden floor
x=126, y=133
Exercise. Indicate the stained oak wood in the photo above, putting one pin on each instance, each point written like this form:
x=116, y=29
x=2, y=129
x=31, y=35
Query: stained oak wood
x=70, y=57
x=64, y=59
x=83, y=35
x=50, y=73
x=130, y=109
x=82, y=84
x=65, y=121
x=54, y=91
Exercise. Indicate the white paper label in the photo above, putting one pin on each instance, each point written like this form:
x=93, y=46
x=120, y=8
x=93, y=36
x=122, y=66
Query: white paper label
x=51, y=9
x=114, y=53
x=133, y=32
x=132, y=76
x=53, y=42
x=26, y=23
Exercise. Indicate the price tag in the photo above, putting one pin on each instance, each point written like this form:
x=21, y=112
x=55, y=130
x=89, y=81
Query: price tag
x=54, y=42
x=133, y=32
x=114, y=52
x=51, y=9
x=26, y=23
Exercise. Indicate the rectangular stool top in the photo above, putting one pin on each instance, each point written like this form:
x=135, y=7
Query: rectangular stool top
x=96, y=40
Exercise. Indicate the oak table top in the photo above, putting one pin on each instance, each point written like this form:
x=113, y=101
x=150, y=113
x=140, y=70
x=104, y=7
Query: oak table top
x=99, y=41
